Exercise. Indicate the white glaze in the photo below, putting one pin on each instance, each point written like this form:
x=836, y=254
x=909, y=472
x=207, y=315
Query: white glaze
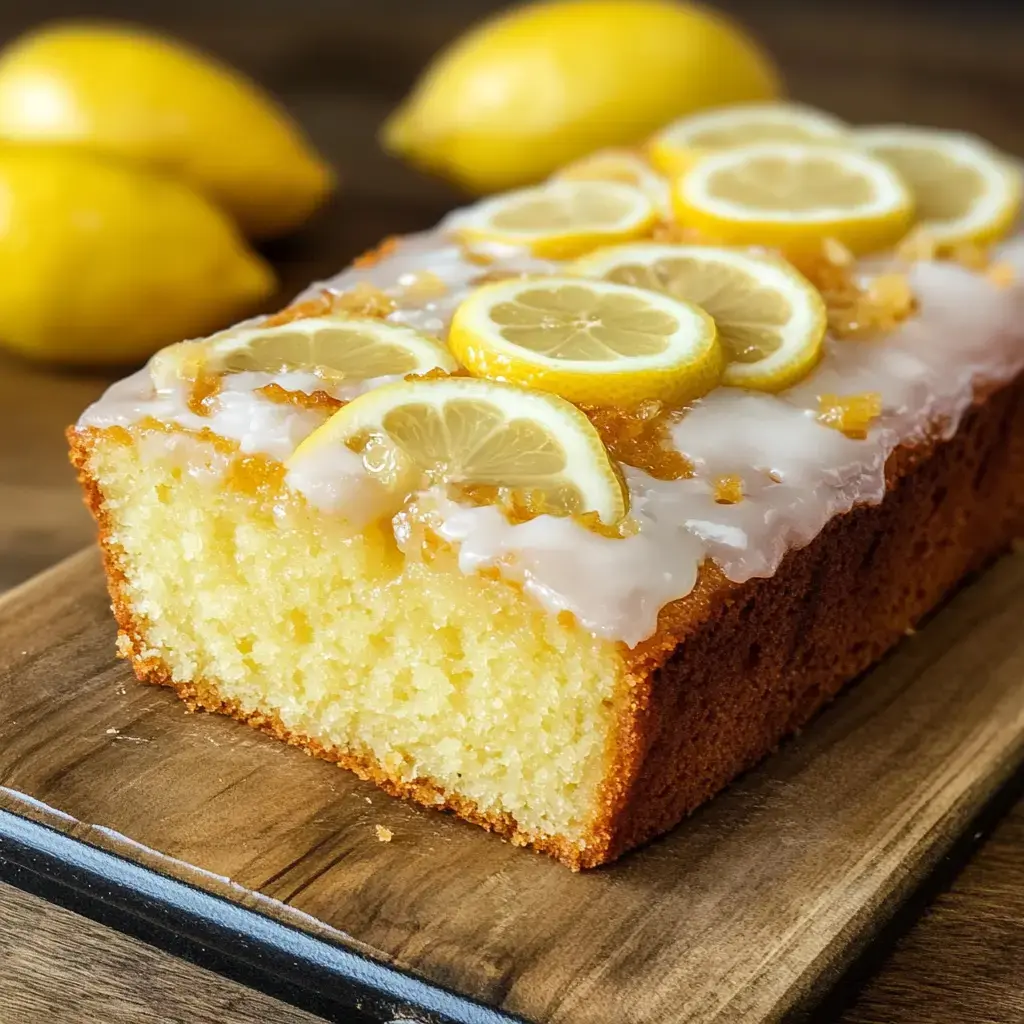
x=797, y=474
x=257, y=423
x=334, y=480
x=436, y=252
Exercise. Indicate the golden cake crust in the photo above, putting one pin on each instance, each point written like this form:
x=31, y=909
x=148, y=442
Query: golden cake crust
x=761, y=658
x=732, y=668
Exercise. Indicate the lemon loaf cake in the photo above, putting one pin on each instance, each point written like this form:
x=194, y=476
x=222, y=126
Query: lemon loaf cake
x=562, y=514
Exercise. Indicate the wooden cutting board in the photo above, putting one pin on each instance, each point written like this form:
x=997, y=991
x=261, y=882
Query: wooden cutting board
x=744, y=912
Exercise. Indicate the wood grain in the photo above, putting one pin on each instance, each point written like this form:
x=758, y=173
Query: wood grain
x=964, y=961
x=119, y=980
x=736, y=916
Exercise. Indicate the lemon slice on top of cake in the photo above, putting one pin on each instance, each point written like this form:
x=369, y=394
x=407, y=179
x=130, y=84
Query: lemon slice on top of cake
x=474, y=433
x=791, y=195
x=964, y=192
x=770, y=319
x=593, y=342
x=675, y=148
x=626, y=167
x=336, y=348
x=559, y=219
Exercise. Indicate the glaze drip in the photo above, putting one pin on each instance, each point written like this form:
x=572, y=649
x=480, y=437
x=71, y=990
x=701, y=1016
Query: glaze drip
x=967, y=333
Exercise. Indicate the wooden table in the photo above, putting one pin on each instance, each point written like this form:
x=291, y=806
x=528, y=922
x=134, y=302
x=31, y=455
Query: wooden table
x=339, y=68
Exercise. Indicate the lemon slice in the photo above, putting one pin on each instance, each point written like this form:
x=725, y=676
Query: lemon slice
x=675, y=148
x=458, y=430
x=963, y=190
x=792, y=195
x=560, y=219
x=592, y=342
x=335, y=348
x=625, y=167
x=771, y=320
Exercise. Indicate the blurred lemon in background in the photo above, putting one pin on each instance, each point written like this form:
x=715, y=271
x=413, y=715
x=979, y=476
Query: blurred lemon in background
x=135, y=95
x=102, y=262
x=526, y=91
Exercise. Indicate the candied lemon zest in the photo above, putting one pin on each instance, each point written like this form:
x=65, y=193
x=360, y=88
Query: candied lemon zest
x=728, y=490
x=851, y=415
x=856, y=309
x=641, y=438
x=365, y=300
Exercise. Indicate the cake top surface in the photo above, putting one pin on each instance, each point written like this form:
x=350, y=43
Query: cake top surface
x=733, y=437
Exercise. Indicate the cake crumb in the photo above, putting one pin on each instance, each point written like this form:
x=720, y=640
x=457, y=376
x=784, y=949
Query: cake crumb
x=384, y=834
x=367, y=799
x=112, y=731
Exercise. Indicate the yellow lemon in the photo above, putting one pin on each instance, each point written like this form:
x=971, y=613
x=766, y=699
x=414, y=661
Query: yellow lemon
x=102, y=262
x=527, y=91
x=591, y=342
x=675, y=148
x=335, y=348
x=625, y=167
x=127, y=93
x=770, y=319
x=477, y=433
x=559, y=219
x=792, y=195
x=964, y=191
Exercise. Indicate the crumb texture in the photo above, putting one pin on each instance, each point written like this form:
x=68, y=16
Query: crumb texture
x=234, y=586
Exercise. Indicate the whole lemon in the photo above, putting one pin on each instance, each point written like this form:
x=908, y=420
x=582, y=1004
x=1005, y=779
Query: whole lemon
x=136, y=95
x=527, y=91
x=103, y=262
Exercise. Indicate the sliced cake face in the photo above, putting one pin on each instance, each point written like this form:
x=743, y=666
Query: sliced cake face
x=395, y=662
x=447, y=519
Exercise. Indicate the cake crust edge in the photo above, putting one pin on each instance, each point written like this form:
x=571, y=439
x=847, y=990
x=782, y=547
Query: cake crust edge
x=650, y=783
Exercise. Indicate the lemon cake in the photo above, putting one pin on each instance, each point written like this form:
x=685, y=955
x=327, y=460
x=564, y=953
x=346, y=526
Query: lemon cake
x=562, y=514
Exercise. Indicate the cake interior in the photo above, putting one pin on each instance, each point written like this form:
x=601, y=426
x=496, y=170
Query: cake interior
x=396, y=665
